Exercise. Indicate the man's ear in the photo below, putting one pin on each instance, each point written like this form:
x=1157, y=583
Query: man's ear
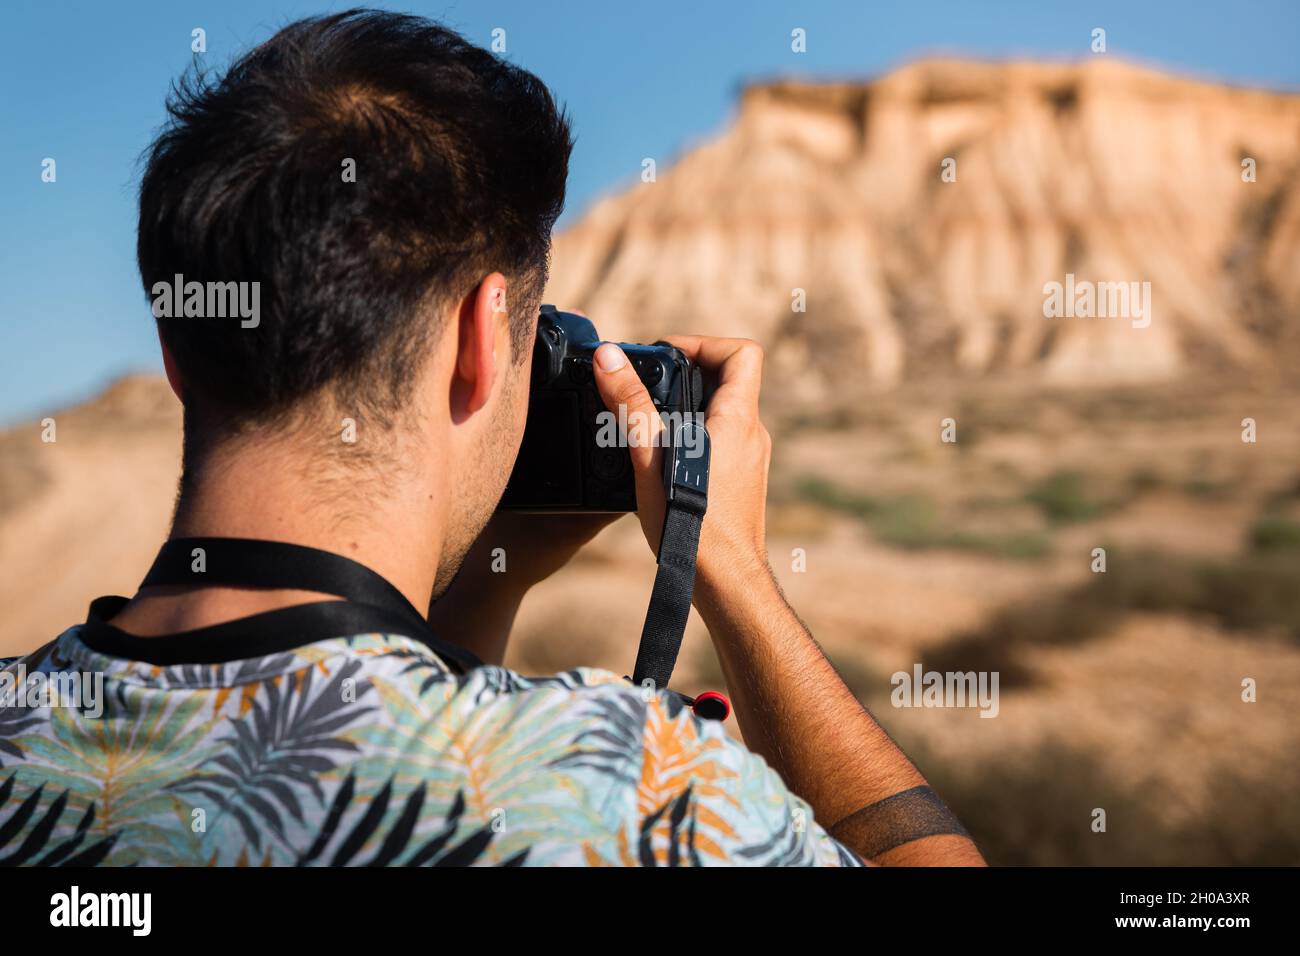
x=173, y=373
x=480, y=323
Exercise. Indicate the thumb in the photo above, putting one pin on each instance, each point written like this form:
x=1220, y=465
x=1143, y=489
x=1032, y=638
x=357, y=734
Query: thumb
x=626, y=397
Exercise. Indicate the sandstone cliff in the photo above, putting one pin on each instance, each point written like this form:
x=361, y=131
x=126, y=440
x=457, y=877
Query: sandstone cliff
x=1103, y=170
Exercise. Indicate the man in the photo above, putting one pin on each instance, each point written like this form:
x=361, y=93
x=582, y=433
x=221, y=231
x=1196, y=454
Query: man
x=381, y=193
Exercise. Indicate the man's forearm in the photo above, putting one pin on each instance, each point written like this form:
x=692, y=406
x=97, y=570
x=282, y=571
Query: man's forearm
x=478, y=612
x=514, y=552
x=796, y=712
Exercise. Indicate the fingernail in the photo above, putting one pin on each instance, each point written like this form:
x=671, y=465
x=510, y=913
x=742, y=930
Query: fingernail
x=610, y=357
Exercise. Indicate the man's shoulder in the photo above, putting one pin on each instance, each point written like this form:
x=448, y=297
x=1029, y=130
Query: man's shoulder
x=690, y=793
x=375, y=732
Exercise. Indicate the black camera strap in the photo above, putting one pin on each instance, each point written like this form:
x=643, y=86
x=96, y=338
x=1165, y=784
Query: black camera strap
x=686, y=485
x=371, y=603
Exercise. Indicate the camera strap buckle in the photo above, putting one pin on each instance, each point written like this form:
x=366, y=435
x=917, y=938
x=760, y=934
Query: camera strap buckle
x=686, y=486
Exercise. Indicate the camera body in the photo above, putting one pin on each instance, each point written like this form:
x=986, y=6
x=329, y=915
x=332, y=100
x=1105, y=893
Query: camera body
x=563, y=465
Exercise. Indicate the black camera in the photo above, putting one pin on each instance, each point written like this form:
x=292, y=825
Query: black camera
x=567, y=461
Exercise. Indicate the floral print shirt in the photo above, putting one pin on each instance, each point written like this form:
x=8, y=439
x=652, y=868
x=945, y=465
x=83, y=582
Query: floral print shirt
x=368, y=749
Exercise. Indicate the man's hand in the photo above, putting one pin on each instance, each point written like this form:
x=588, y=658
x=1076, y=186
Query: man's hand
x=732, y=540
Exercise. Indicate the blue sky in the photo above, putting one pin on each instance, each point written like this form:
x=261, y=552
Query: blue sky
x=84, y=83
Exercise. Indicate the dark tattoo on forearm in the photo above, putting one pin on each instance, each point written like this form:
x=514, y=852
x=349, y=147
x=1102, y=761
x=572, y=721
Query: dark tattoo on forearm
x=906, y=816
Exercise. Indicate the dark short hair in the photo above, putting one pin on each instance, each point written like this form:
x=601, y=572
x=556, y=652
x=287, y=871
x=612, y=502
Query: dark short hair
x=460, y=167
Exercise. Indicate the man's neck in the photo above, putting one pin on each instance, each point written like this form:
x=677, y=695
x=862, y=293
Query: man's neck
x=395, y=530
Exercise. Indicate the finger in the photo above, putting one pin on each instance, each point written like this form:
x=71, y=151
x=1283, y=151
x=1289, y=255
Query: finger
x=626, y=396
x=737, y=362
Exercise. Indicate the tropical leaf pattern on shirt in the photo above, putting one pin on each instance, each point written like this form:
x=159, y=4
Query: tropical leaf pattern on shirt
x=35, y=822
x=447, y=847
x=13, y=722
x=368, y=751
x=269, y=764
